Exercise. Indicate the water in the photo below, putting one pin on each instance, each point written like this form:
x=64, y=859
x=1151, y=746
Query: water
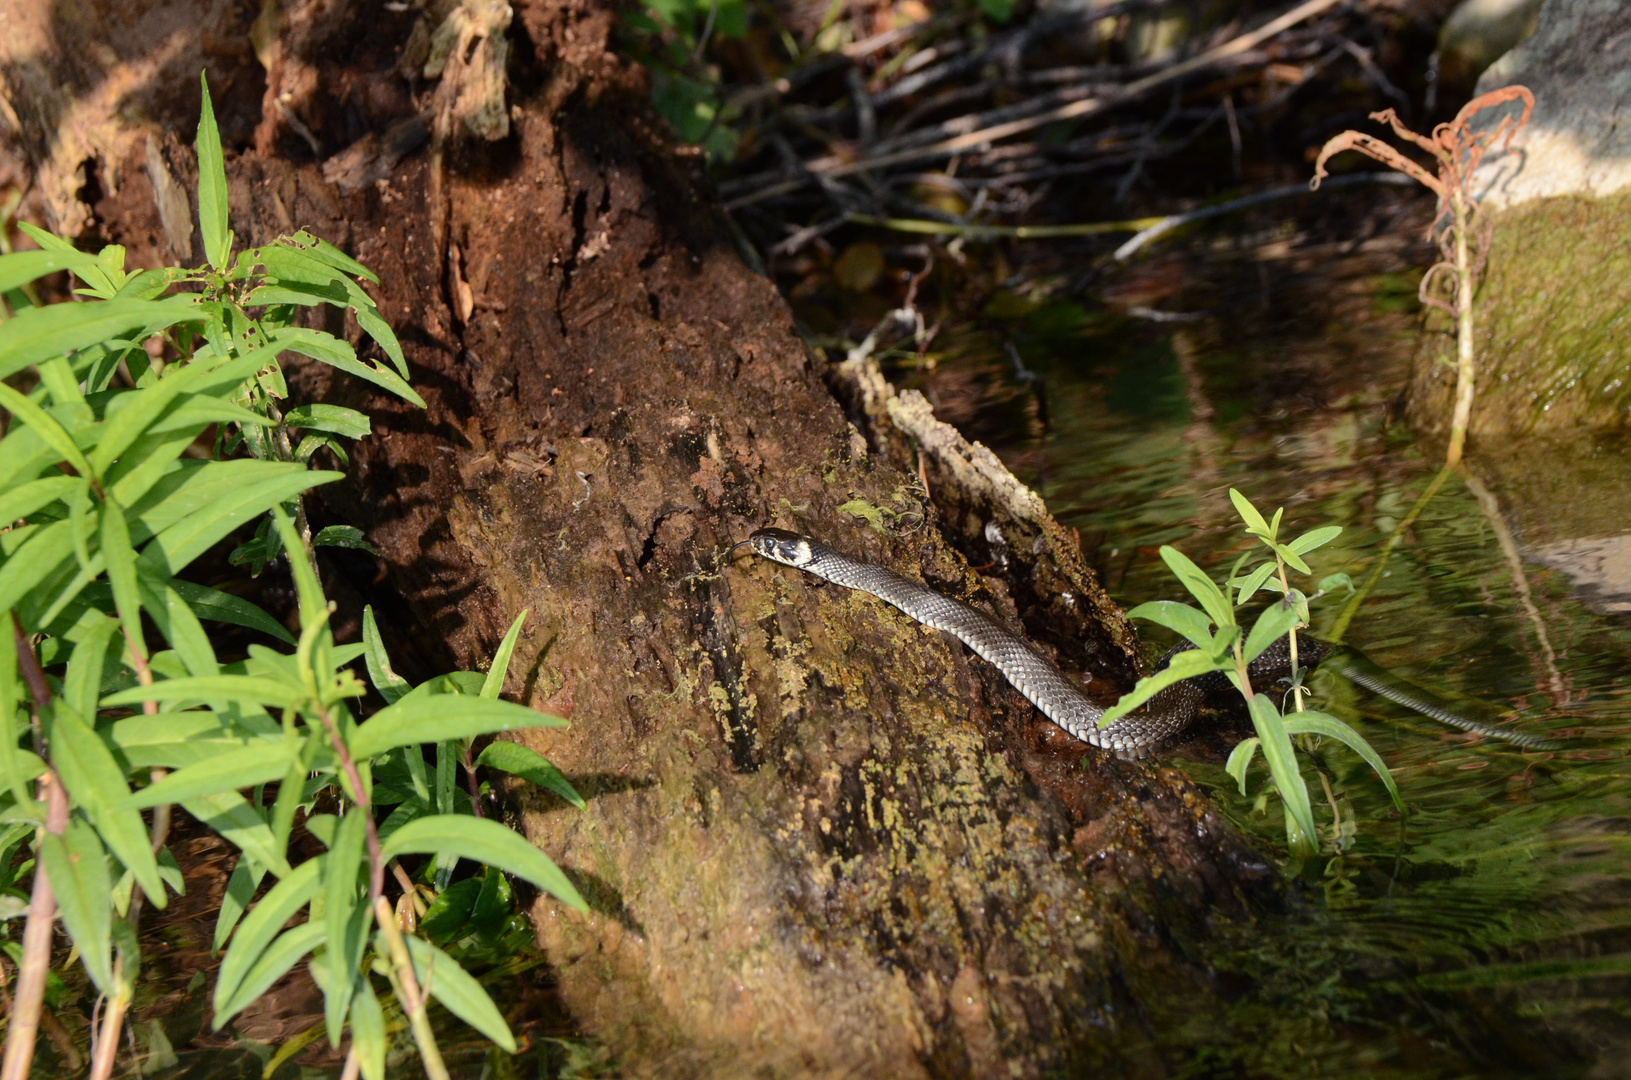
x=1490, y=933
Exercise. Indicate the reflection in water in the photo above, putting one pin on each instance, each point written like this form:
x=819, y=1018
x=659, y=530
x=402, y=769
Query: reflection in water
x=1600, y=570
x=1489, y=934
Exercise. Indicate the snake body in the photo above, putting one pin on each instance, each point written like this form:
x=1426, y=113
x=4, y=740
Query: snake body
x=1062, y=701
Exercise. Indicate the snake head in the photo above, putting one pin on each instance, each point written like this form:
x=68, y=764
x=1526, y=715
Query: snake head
x=779, y=545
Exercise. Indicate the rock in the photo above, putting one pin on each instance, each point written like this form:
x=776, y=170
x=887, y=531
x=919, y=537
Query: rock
x=1578, y=63
x=1479, y=32
x=1553, y=353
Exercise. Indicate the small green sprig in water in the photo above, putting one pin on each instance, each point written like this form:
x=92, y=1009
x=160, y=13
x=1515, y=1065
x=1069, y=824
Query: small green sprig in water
x=1223, y=644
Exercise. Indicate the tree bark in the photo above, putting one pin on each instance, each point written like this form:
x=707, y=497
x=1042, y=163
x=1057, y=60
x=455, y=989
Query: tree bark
x=820, y=838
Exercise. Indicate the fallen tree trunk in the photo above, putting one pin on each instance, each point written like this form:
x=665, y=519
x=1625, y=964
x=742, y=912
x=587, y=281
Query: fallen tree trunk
x=819, y=838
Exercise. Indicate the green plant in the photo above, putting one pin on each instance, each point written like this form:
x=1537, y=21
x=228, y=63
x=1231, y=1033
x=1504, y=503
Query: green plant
x=1223, y=645
x=1463, y=233
x=111, y=485
x=670, y=37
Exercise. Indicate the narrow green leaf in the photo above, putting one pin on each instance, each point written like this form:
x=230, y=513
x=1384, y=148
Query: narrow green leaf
x=82, y=682
x=1318, y=723
x=462, y=995
x=326, y=252
x=1292, y=559
x=1327, y=584
x=212, y=185
x=248, y=689
x=1180, y=618
x=531, y=766
x=1315, y=538
x=229, y=771
x=270, y=966
x=21, y=267
x=208, y=603
x=1254, y=581
x=343, y=536
x=179, y=626
x=446, y=917
x=77, y=868
x=486, y=841
x=237, y=821
x=1248, y=513
x=1183, y=666
x=246, y=877
x=36, y=495
x=1272, y=625
x=261, y=925
x=367, y=1029
x=1282, y=763
x=333, y=418
x=313, y=605
x=493, y=685
x=391, y=686
x=1274, y=526
x=343, y=935
x=1200, y=586
x=181, y=543
x=439, y=717
x=40, y=333
x=97, y=785
x=47, y=428
x=1240, y=759
x=340, y=355
x=120, y=559
x=139, y=411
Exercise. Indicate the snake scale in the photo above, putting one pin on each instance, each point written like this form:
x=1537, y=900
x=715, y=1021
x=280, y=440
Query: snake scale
x=1166, y=714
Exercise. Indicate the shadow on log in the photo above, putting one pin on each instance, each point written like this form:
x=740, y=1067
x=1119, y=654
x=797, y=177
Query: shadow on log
x=820, y=838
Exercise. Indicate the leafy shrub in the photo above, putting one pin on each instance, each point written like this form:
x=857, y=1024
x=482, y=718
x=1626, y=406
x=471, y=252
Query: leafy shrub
x=109, y=497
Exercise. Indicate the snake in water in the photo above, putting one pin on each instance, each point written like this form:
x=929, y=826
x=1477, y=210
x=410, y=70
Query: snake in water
x=1166, y=714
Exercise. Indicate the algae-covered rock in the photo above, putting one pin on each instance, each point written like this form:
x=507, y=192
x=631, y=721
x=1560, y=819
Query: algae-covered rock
x=1553, y=342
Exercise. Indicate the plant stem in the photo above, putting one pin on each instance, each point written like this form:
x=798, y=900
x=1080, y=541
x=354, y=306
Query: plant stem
x=1291, y=637
x=36, y=962
x=1463, y=303
x=407, y=987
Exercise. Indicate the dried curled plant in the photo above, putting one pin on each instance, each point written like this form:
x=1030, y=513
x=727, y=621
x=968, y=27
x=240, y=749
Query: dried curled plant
x=1463, y=234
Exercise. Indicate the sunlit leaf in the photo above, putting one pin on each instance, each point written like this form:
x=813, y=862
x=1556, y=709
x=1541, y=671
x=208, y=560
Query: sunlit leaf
x=1199, y=585
x=246, y=877
x=462, y=995
x=212, y=185
x=1183, y=666
x=493, y=685
x=46, y=426
x=485, y=841
x=1248, y=513
x=96, y=785
x=21, y=267
x=1282, y=763
x=1240, y=759
x=240, y=824
x=40, y=333
x=260, y=926
x=1315, y=538
x=227, y=771
x=77, y=868
x=391, y=686
x=530, y=765
x=435, y=718
x=1318, y=723
x=1273, y=624
x=1179, y=618
x=332, y=418
x=270, y=966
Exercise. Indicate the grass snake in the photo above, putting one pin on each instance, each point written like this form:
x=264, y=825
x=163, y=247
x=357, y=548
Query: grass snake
x=1166, y=714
